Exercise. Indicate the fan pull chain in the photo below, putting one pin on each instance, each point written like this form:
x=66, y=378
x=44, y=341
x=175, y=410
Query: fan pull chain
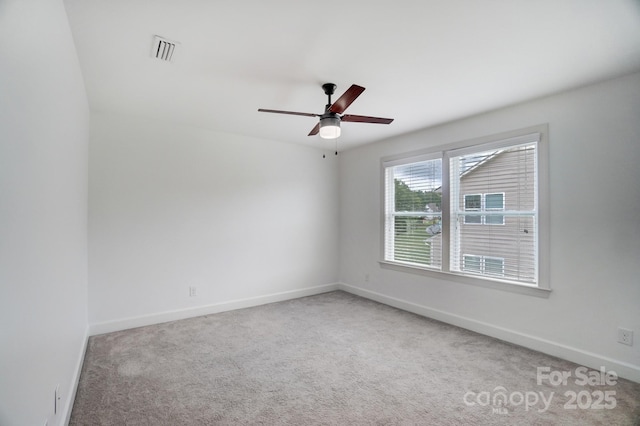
x=324, y=155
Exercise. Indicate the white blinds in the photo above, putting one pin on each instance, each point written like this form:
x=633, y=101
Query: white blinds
x=493, y=222
x=489, y=226
x=413, y=210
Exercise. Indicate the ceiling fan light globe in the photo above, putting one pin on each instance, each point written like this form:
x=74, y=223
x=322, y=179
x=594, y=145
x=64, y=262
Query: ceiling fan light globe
x=330, y=128
x=330, y=132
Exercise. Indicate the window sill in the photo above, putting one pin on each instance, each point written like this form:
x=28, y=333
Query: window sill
x=509, y=286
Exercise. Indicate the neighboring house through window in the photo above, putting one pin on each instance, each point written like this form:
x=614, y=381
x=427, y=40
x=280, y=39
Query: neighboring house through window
x=484, y=203
x=494, y=203
x=483, y=265
x=470, y=209
x=472, y=203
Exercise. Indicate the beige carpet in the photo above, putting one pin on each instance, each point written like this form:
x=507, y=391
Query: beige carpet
x=332, y=359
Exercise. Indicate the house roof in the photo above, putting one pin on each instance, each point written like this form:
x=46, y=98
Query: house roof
x=422, y=62
x=474, y=162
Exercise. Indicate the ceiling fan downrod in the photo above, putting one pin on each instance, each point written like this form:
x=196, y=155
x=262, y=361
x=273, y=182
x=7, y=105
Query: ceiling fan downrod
x=329, y=89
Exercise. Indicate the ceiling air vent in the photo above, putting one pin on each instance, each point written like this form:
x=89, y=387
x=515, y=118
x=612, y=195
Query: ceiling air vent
x=163, y=49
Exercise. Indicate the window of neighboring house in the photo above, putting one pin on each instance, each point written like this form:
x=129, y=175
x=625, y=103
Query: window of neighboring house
x=487, y=204
x=473, y=203
x=484, y=265
x=494, y=203
x=493, y=266
x=472, y=264
x=441, y=205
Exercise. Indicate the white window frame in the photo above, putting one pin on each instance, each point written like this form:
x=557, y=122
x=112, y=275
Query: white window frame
x=538, y=134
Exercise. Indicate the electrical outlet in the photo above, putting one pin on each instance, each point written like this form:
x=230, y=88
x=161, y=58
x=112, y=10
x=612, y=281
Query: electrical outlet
x=625, y=336
x=193, y=291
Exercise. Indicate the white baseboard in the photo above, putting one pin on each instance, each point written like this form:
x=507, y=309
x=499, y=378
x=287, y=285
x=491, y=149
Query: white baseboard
x=75, y=380
x=140, y=321
x=579, y=356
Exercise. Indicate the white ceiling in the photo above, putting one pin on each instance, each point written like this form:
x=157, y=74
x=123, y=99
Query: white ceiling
x=422, y=62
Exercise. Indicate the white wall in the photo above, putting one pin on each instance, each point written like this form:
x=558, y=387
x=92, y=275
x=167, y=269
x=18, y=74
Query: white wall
x=44, y=130
x=174, y=206
x=595, y=229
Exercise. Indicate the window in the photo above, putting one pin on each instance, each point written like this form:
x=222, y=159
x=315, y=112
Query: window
x=493, y=203
x=473, y=203
x=483, y=265
x=493, y=266
x=472, y=264
x=505, y=175
x=484, y=203
x=414, y=211
x=471, y=209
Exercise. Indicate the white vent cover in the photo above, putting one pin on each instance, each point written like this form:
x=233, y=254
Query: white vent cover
x=163, y=49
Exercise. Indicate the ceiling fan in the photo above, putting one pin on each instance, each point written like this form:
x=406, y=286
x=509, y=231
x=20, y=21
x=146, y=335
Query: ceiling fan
x=329, y=124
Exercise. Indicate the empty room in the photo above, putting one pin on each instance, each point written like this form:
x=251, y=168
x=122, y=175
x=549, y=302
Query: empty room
x=319, y=213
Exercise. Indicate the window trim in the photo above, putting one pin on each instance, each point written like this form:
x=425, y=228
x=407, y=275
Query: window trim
x=446, y=151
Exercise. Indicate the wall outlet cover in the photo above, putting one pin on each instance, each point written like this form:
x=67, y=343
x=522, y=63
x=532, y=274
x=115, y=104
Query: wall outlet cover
x=625, y=336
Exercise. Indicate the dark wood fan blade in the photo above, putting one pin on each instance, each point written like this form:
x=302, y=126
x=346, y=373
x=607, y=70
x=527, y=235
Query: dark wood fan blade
x=276, y=111
x=365, y=119
x=315, y=130
x=346, y=99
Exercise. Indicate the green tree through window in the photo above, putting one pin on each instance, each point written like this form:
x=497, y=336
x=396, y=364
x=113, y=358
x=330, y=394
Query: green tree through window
x=409, y=200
